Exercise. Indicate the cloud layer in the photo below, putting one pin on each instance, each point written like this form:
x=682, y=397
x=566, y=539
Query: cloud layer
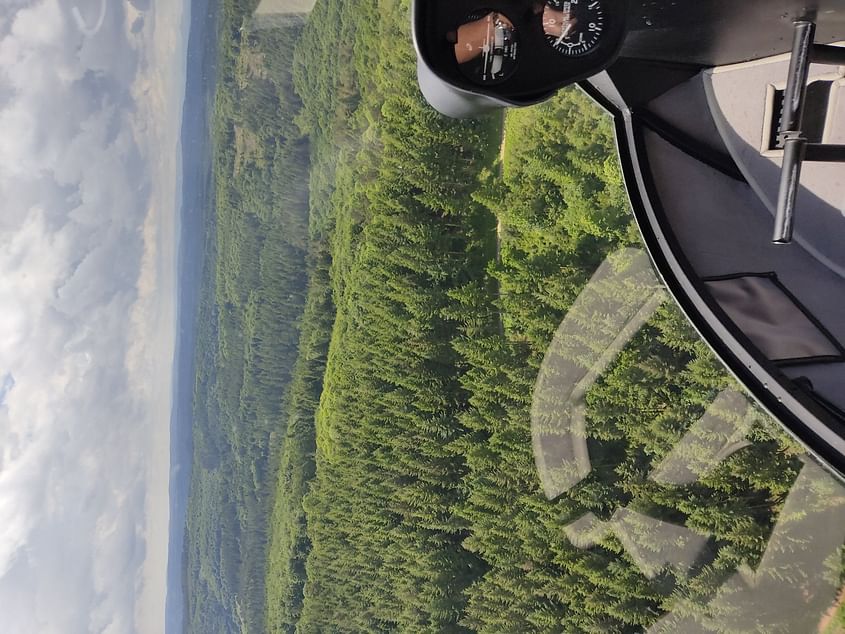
x=88, y=149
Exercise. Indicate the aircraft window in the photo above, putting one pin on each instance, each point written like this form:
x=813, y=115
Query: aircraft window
x=282, y=349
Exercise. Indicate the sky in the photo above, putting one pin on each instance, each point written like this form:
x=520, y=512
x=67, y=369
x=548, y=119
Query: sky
x=90, y=112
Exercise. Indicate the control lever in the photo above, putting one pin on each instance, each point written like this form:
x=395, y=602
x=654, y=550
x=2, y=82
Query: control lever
x=796, y=148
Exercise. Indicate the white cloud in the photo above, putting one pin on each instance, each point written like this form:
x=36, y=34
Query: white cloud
x=88, y=155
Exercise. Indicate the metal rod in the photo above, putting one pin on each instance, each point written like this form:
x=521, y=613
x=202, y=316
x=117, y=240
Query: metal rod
x=826, y=54
x=790, y=184
x=796, y=83
x=825, y=153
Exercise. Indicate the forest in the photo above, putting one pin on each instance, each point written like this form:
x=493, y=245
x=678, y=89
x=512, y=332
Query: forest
x=252, y=300
x=386, y=286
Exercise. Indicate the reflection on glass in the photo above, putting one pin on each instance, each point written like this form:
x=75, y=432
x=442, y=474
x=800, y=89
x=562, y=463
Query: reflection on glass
x=88, y=29
x=717, y=435
x=621, y=297
x=486, y=47
x=733, y=526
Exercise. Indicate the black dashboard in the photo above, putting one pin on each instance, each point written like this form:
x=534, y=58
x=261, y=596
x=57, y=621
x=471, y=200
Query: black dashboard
x=518, y=50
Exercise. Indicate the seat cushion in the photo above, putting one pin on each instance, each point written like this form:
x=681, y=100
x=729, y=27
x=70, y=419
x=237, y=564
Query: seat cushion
x=773, y=319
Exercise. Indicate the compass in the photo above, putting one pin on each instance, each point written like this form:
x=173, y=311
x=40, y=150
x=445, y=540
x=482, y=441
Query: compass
x=574, y=27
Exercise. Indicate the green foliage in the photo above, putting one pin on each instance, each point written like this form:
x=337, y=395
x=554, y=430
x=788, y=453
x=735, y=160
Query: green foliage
x=289, y=544
x=393, y=210
x=248, y=341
